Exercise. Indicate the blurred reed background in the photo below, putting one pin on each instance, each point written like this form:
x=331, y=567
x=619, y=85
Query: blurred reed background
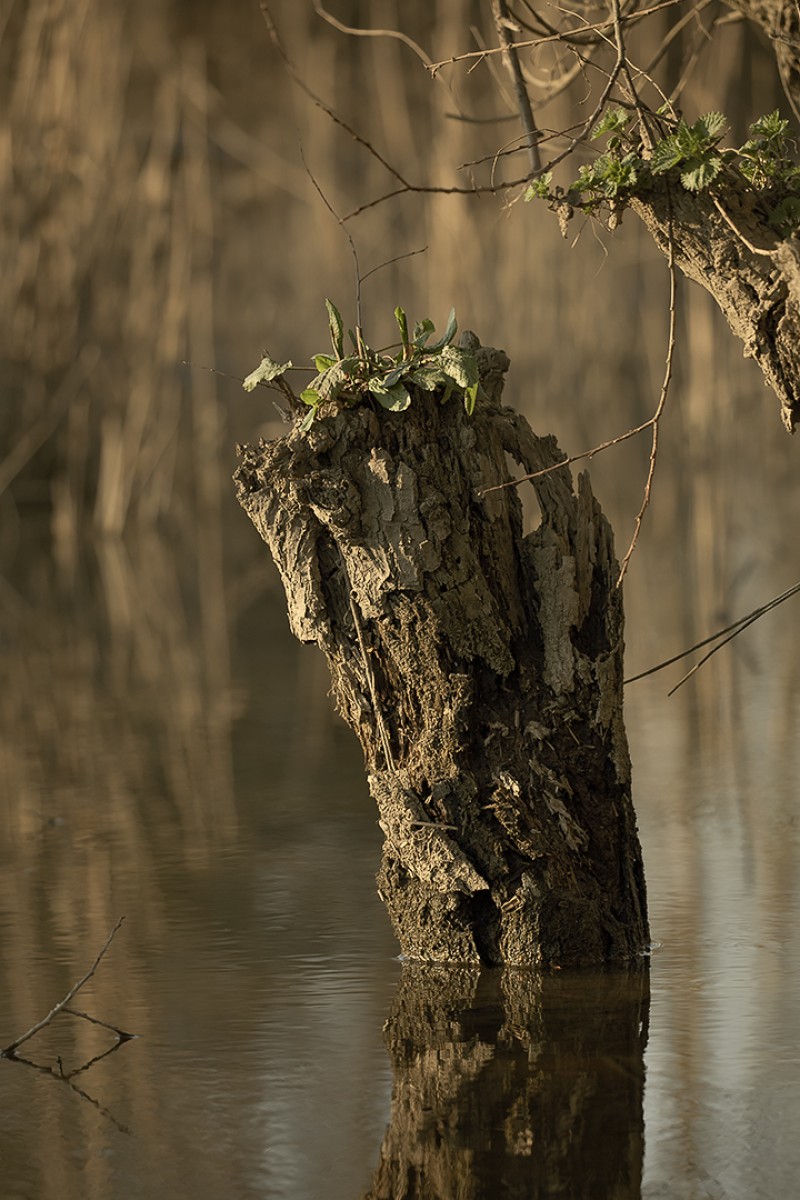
x=154, y=208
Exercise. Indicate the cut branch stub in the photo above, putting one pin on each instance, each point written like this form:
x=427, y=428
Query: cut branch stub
x=481, y=669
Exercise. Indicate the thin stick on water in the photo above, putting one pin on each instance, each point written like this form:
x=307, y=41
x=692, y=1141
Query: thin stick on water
x=63, y=1005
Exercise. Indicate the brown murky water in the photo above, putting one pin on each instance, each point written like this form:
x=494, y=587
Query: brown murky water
x=168, y=754
x=283, y=1049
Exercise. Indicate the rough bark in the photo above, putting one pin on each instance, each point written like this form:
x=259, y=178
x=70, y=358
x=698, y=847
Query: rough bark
x=515, y=1085
x=481, y=669
x=753, y=275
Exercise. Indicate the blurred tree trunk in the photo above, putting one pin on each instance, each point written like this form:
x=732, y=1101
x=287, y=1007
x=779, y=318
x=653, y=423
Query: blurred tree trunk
x=481, y=669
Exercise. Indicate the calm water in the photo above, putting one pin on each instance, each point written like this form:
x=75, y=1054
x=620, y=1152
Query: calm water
x=284, y=1051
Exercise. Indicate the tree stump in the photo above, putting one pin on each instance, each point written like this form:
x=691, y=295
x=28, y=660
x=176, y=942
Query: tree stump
x=480, y=667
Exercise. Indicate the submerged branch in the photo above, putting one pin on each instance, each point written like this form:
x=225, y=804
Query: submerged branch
x=63, y=1005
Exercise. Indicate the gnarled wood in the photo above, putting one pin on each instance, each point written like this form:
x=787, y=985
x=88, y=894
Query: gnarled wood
x=481, y=669
x=725, y=243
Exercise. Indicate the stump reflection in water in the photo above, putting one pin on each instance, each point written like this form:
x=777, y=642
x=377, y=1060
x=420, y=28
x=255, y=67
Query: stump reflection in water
x=512, y=1083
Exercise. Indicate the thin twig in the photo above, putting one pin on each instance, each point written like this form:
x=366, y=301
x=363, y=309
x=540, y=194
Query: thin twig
x=373, y=691
x=511, y=58
x=650, y=423
x=354, y=32
x=674, y=31
x=662, y=399
x=557, y=36
x=619, y=42
x=733, y=630
x=389, y=261
x=8, y=1051
x=347, y=234
x=568, y=460
x=122, y=1034
x=432, y=189
x=320, y=103
x=67, y=1077
x=729, y=220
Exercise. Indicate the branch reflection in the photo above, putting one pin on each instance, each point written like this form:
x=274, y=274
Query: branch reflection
x=509, y=1083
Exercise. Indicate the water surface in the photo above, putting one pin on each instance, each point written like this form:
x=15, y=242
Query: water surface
x=284, y=1051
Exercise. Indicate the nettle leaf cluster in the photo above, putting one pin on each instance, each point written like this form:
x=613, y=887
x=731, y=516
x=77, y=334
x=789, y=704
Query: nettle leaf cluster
x=693, y=152
x=366, y=375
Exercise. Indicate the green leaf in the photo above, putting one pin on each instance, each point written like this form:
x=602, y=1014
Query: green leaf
x=539, y=189
x=470, y=396
x=700, y=172
x=787, y=215
x=449, y=333
x=336, y=328
x=308, y=420
x=428, y=378
x=395, y=375
x=323, y=361
x=449, y=388
x=666, y=155
x=614, y=120
x=402, y=321
x=461, y=366
x=422, y=331
x=771, y=126
x=710, y=127
x=266, y=370
x=331, y=381
x=395, y=398
x=310, y=396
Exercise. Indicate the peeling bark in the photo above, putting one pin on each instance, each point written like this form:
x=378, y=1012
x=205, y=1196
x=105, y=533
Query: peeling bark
x=740, y=260
x=481, y=669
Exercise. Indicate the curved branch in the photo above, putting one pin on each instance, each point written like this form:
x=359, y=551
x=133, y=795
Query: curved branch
x=719, y=243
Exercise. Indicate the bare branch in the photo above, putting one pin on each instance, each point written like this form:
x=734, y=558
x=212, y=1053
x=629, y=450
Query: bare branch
x=390, y=33
x=733, y=629
x=511, y=58
x=326, y=108
x=656, y=417
x=556, y=36
x=389, y=261
x=8, y=1051
x=625, y=72
x=340, y=222
x=652, y=423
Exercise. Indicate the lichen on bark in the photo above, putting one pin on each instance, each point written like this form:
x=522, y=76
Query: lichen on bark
x=480, y=667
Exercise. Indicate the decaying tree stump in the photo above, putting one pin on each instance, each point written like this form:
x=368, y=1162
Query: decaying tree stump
x=481, y=669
